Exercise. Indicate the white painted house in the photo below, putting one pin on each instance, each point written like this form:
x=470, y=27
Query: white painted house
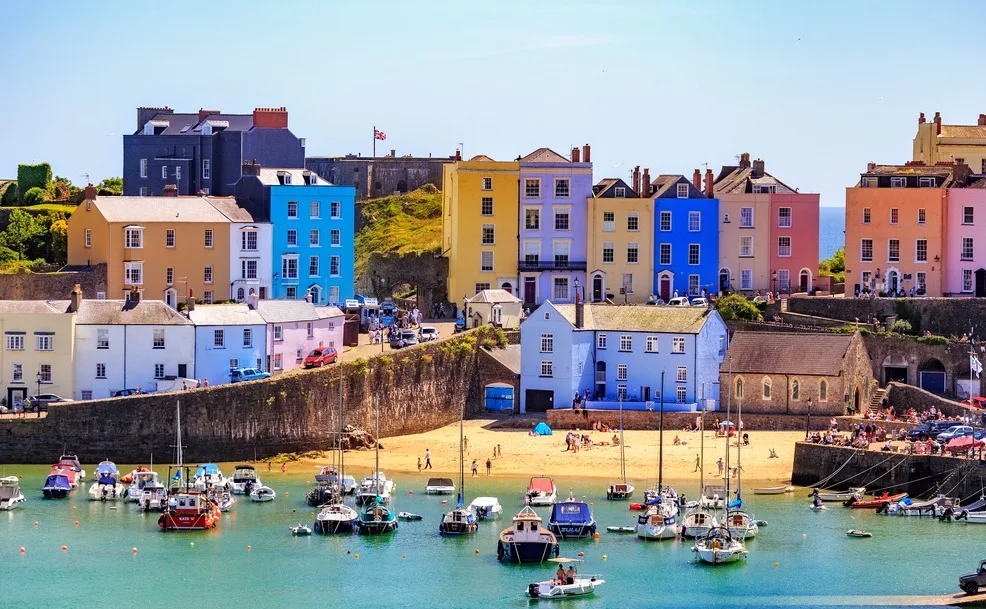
x=227, y=336
x=294, y=328
x=250, y=245
x=122, y=344
x=499, y=307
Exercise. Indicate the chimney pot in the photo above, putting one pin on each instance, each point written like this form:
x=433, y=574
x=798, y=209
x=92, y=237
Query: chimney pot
x=585, y=154
x=870, y=166
x=636, y=179
x=921, y=119
x=937, y=123
x=709, y=183
x=745, y=160
x=170, y=190
x=458, y=155
x=645, y=183
x=393, y=153
x=189, y=304
x=203, y=113
x=982, y=120
x=697, y=179
x=575, y=154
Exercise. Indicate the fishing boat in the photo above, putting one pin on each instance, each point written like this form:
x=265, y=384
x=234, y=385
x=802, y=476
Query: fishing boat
x=621, y=491
x=659, y=522
x=245, y=479
x=571, y=519
x=872, y=504
x=335, y=519
x=209, y=476
x=11, y=495
x=189, y=511
x=839, y=495
x=541, y=491
x=300, y=529
x=486, y=508
x=107, y=486
x=377, y=517
x=73, y=460
x=570, y=586
x=905, y=507
x=56, y=486
x=262, y=494
x=859, y=533
x=773, y=490
x=461, y=520
x=719, y=548
x=697, y=523
x=440, y=486
x=137, y=479
x=526, y=540
x=154, y=496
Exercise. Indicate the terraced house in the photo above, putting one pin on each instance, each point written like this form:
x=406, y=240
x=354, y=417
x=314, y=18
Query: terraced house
x=686, y=237
x=38, y=349
x=619, y=242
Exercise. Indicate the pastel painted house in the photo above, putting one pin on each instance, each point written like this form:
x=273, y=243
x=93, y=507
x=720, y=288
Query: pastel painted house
x=227, y=336
x=621, y=351
x=965, y=242
x=38, y=349
x=686, y=237
x=293, y=329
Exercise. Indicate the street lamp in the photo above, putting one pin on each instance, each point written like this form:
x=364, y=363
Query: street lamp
x=808, y=422
x=773, y=276
x=37, y=396
x=576, y=283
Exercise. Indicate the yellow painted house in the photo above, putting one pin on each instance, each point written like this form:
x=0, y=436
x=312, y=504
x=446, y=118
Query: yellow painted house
x=38, y=350
x=618, y=220
x=168, y=248
x=479, y=225
x=935, y=142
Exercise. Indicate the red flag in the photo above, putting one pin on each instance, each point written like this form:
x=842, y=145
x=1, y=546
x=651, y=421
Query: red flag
x=379, y=135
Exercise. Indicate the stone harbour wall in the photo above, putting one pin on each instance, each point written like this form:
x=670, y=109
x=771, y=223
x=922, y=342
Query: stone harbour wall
x=419, y=389
x=943, y=316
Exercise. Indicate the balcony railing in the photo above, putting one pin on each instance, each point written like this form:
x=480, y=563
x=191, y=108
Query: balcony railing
x=550, y=265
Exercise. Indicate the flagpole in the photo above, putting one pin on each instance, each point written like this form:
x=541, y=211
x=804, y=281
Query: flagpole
x=374, y=141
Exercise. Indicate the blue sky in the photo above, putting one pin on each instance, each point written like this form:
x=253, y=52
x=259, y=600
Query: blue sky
x=815, y=89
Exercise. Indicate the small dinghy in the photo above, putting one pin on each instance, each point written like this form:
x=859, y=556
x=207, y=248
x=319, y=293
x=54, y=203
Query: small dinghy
x=817, y=508
x=409, y=516
x=262, y=494
x=572, y=585
x=621, y=529
x=859, y=533
x=773, y=490
x=300, y=529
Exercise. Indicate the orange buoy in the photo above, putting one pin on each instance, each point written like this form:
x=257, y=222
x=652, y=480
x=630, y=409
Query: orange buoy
x=64, y=548
x=777, y=564
x=285, y=493
x=76, y=523
x=581, y=554
x=308, y=482
x=249, y=548
x=134, y=550
x=35, y=523
x=444, y=501
x=23, y=550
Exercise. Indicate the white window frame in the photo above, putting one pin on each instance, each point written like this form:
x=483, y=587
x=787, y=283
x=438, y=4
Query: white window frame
x=561, y=211
x=335, y=210
x=245, y=240
x=917, y=251
x=601, y=341
x=894, y=216
x=567, y=183
x=335, y=266
x=532, y=188
x=746, y=252
x=286, y=266
x=681, y=375
x=681, y=190
x=547, y=369
x=893, y=244
x=335, y=238
x=867, y=215
x=486, y=206
x=219, y=338
x=247, y=337
x=922, y=215
x=207, y=274
x=487, y=184
x=486, y=261
x=971, y=249
x=660, y=253
x=661, y=224
x=159, y=371
x=556, y=286
x=164, y=172
x=291, y=237
x=44, y=342
x=634, y=219
x=314, y=267
x=133, y=270
x=169, y=238
x=781, y=246
x=967, y=281
x=488, y=229
x=101, y=371
x=608, y=252
x=314, y=238
x=315, y=210
x=968, y=215
x=621, y=372
x=746, y=217
x=681, y=394
x=206, y=169
x=678, y=345
x=133, y=238
x=634, y=249
x=209, y=238
x=782, y=216
x=746, y=279
x=610, y=224
x=696, y=249
x=157, y=338
x=102, y=338
x=694, y=220
x=292, y=210
x=143, y=168
x=626, y=343
x=88, y=237
x=694, y=285
x=547, y=342
x=862, y=243
x=653, y=344
x=898, y=182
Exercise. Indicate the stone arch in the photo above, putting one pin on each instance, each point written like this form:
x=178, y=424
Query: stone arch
x=823, y=390
x=738, y=387
x=932, y=375
x=402, y=187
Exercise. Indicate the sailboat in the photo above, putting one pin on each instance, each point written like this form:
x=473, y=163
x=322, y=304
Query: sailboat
x=186, y=510
x=620, y=491
x=741, y=524
x=699, y=520
x=377, y=517
x=660, y=521
x=718, y=546
x=335, y=516
x=461, y=520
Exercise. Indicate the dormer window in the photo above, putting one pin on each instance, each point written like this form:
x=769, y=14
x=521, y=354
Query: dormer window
x=619, y=192
x=926, y=182
x=682, y=191
x=869, y=182
x=155, y=127
x=311, y=179
x=764, y=189
x=284, y=177
x=206, y=128
x=898, y=182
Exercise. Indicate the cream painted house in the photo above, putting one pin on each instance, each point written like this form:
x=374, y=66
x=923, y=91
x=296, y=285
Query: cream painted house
x=935, y=142
x=619, y=248
x=499, y=307
x=38, y=349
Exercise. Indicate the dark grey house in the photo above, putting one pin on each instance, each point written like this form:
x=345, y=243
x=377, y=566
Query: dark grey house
x=204, y=151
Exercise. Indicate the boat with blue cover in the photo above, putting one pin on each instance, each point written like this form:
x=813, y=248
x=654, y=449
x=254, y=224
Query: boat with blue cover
x=208, y=476
x=56, y=486
x=107, y=486
x=526, y=540
x=572, y=519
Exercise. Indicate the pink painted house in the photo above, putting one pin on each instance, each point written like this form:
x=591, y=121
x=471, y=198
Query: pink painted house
x=294, y=328
x=793, y=242
x=965, y=243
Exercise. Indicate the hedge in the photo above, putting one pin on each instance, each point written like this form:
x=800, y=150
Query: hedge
x=30, y=176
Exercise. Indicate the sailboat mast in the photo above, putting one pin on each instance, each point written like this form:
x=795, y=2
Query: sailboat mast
x=739, y=449
x=342, y=436
x=660, y=442
x=729, y=395
x=462, y=470
x=623, y=444
x=701, y=461
x=376, y=442
x=181, y=456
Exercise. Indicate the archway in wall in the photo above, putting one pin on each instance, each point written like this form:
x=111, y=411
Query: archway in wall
x=402, y=187
x=804, y=281
x=507, y=287
x=724, y=280
x=895, y=369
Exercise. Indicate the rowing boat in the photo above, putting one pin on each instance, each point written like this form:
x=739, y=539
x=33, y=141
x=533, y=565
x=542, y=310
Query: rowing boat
x=773, y=490
x=874, y=503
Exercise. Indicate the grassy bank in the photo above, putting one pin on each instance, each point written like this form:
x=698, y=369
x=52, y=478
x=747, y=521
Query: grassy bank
x=401, y=224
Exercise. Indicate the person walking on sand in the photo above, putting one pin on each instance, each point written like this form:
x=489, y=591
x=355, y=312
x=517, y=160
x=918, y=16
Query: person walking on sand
x=284, y=467
x=720, y=464
x=419, y=464
x=499, y=451
x=475, y=469
x=698, y=464
x=489, y=467
x=465, y=443
x=428, y=458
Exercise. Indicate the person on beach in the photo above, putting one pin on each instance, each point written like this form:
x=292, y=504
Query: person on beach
x=698, y=463
x=427, y=458
x=489, y=467
x=465, y=443
x=720, y=464
x=419, y=464
x=499, y=451
x=475, y=469
x=568, y=441
x=284, y=467
x=268, y=465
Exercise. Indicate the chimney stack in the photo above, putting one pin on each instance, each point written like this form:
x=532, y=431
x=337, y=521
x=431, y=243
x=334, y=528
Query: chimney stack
x=579, y=311
x=870, y=167
x=585, y=154
x=758, y=168
x=170, y=190
x=575, y=154
x=271, y=118
x=203, y=113
x=458, y=155
x=645, y=183
x=393, y=153
x=921, y=119
x=982, y=120
x=636, y=179
x=745, y=160
x=697, y=180
x=90, y=192
x=134, y=296
x=937, y=123
x=189, y=304
x=709, y=184
x=75, y=299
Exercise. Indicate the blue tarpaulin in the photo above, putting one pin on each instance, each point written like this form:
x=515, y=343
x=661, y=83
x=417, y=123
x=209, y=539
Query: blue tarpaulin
x=542, y=429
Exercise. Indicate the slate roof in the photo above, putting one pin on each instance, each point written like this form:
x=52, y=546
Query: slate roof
x=509, y=356
x=786, y=353
x=482, y=158
x=965, y=132
x=637, y=318
x=544, y=155
x=284, y=311
x=28, y=306
x=494, y=296
x=738, y=180
x=137, y=210
x=268, y=176
x=326, y=312
x=116, y=312
x=664, y=182
x=225, y=315
x=189, y=124
x=236, y=209
x=606, y=184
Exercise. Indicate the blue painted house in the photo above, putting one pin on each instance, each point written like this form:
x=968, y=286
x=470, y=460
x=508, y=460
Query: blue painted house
x=313, y=232
x=686, y=239
x=227, y=336
x=616, y=351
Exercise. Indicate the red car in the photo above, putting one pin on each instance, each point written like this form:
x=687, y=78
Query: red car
x=320, y=357
x=978, y=402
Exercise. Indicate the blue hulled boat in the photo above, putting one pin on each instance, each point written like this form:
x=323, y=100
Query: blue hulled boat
x=572, y=519
x=56, y=486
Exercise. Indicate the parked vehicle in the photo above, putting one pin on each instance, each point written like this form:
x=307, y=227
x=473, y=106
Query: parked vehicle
x=971, y=582
x=42, y=400
x=124, y=393
x=460, y=325
x=655, y=300
x=955, y=431
x=681, y=301
x=427, y=333
x=929, y=429
x=977, y=401
x=404, y=338
x=320, y=357
x=237, y=375
x=700, y=302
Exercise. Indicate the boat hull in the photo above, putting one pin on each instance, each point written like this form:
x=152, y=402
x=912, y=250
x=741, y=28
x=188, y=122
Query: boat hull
x=55, y=493
x=526, y=551
x=656, y=532
x=721, y=556
x=615, y=493
x=572, y=530
x=771, y=490
x=106, y=492
x=376, y=527
x=334, y=527
x=542, y=499
x=876, y=503
x=457, y=528
x=551, y=589
x=170, y=521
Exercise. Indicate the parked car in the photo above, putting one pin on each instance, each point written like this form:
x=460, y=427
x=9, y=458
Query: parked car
x=237, y=375
x=929, y=429
x=700, y=302
x=655, y=300
x=404, y=338
x=971, y=582
x=680, y=301
x=42, y=400
x=955, y=431
x=427, y=333
x=320, y=357
x=122, y=393
x=460, y=325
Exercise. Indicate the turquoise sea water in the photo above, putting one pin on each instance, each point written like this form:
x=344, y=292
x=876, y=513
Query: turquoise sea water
x=906, y=556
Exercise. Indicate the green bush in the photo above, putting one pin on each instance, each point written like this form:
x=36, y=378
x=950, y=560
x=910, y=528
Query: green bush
x=10, y=197
x=33, y=176
x=902, y=326
x=35, y=196
x=736, y=306
x=933, y=340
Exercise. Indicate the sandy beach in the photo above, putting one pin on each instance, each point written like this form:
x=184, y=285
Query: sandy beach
x=524, y=455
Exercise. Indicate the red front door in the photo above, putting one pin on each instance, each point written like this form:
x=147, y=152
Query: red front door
x=665, y=288
x=530, y=289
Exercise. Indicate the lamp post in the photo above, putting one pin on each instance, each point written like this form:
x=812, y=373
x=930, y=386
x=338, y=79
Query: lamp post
x=37, y=396
x=576, y=283
x=773, y=277
x=808, y=422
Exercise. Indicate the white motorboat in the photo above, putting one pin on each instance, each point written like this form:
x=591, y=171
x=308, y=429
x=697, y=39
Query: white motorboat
x=933, y=507
x=369, y=489
x=975, y=517
x=209, y=476
x=245, y=478
x=619, y=491
x=659, y=522
x=336, y=518
x=486, y=508
x=713, y=497
x=741, y=525
x=839, y=495
x=300, y=529
x=526, y=540
x=718, y=547
x=440, y=486
x=568, y=587
x=225, y=501
x=773, y=490
x=11, y=495
x=107, y=486
x=142, y=479
x=262, y=494
x=541, y=491
x=697, y=524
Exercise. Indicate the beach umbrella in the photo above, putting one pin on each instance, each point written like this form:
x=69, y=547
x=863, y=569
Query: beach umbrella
x=963, y=443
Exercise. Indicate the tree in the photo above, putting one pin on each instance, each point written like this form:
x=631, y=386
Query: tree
x=110, y=187
x=835, y=266
x=59, y=240
x=736, y=306
x=10, y=198
x=29, y=176
x=22, y=227
x=35, y=196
